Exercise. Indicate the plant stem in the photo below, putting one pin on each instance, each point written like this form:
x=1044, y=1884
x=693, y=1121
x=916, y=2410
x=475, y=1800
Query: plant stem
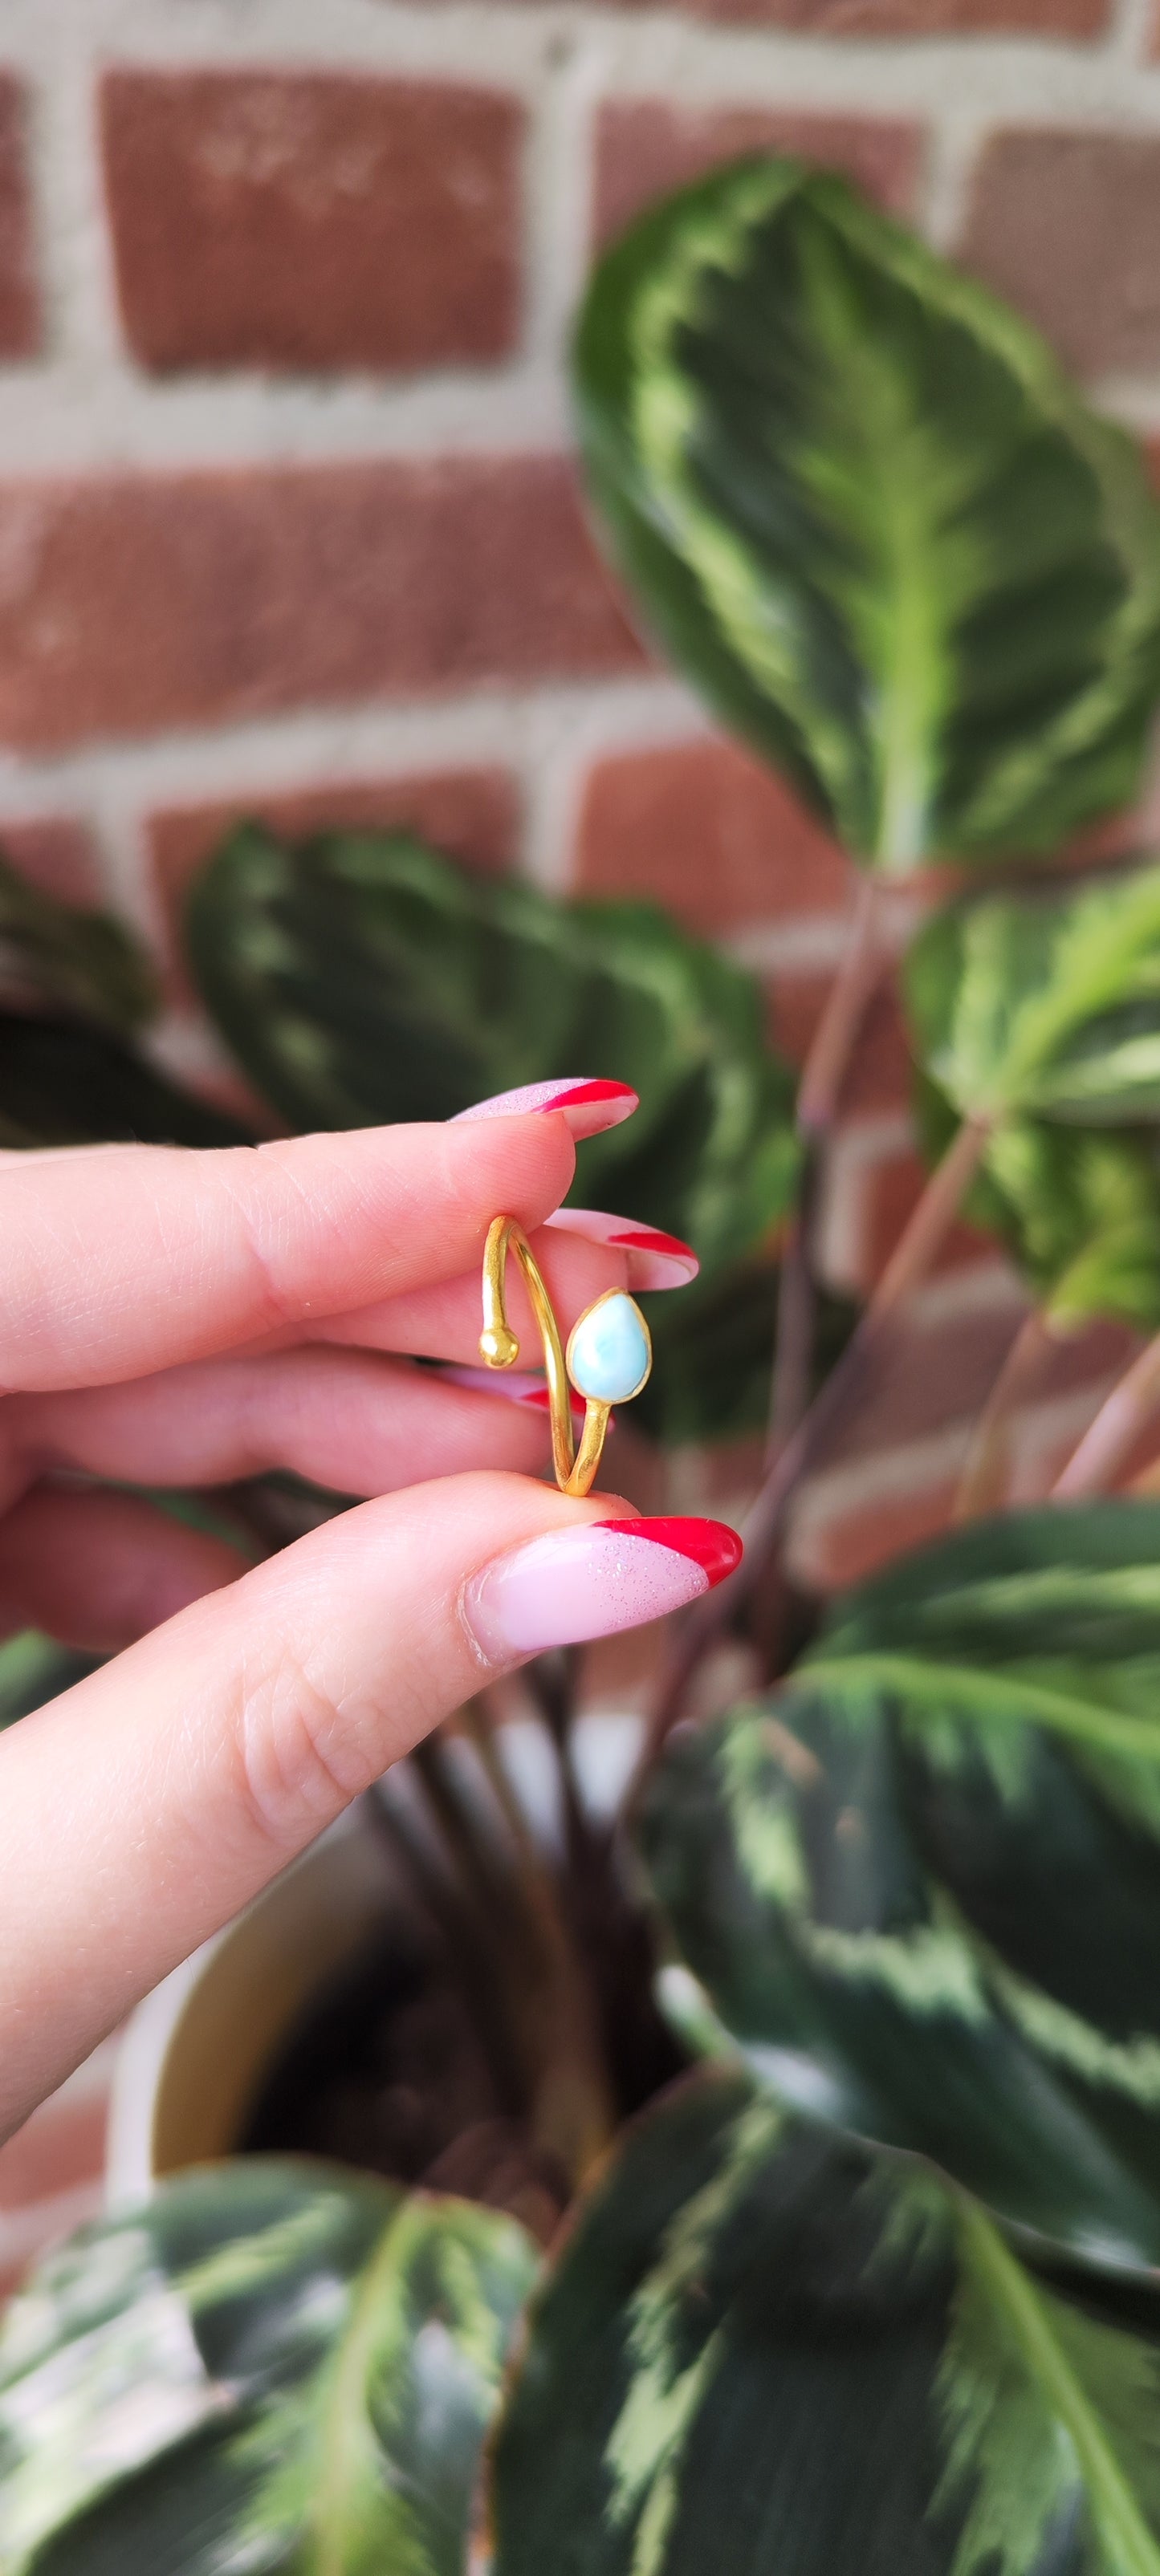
x=924, y=1234
x=819, y=1094
x=1110, y=1439
x=570, y=2100
x=983, y=1482
x=846, y=1002
x=467, y=1937
x=920, y=1241
x=551, y=1681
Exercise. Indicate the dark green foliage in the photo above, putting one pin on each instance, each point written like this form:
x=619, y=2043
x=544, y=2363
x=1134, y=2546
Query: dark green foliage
x=63, y=1082
x=769, y=2352
x=921, y=1883
x=367, y=979
x=74, y=960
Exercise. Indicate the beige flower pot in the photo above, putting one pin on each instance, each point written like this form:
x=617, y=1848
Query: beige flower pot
x=195, y=2052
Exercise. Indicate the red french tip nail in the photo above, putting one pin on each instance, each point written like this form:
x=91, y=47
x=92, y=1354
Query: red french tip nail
x=540, y=1401
x=710, y=1543
x=648, y=1238
x=582, y=1092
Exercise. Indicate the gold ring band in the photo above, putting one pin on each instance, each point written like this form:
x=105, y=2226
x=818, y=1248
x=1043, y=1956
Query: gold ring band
x=587, y=1353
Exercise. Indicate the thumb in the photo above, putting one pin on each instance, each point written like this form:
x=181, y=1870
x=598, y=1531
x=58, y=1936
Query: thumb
x=140, y=1810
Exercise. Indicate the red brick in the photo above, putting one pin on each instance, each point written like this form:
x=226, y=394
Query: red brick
x=880, y=1072
x=841, y=1548
x=312, y=220
x=58, y=854
x=703, y=829
x=934, y=1371
x=61, y=2146
x=1067, y=226
x=796, y=1003
x=133, y=602
x=471, y=813
x=20, y=325
x=645, y=147
x=1046, y=18
x=893, y=1189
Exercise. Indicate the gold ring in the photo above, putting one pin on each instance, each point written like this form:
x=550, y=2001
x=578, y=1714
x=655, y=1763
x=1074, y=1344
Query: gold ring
x=608, y=1358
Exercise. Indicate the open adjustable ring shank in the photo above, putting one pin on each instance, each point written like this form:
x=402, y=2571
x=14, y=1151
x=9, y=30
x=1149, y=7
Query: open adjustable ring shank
x=608, y=1358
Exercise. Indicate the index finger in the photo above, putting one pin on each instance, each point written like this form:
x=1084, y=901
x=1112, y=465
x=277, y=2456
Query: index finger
x=132, y=1258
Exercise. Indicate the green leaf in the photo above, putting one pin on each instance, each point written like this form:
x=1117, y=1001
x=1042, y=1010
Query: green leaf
x=1078, y=1207
x=1040, y=1013
x=921, y=1884
x=1044, y=1005
x=869, y=518
x=74, y=959
x=270, y=2366
x=33, y=1669
x=62, y=1083
x=366, y=979
x=764, y=2350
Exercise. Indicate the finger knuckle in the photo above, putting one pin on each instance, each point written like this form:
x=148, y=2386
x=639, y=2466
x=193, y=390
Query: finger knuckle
x=301, y=1750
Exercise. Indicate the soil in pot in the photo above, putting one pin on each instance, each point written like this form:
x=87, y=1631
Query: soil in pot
x=401, y=2066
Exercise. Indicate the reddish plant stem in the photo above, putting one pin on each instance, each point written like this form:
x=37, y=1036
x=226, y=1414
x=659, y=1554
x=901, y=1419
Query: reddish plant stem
x=985, y=1476
x=850, y=993
x=921, y=1240
x=926, y=1229
x=1108, y=1441
x=819, y=1094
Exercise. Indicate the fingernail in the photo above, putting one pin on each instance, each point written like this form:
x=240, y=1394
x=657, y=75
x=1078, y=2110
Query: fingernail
x=519, y=1386
x=589, y=1107
x=590, y=1581
x=655, y=1260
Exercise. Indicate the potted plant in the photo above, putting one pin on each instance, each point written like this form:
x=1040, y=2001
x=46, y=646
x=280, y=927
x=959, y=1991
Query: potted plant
x=871, y=2282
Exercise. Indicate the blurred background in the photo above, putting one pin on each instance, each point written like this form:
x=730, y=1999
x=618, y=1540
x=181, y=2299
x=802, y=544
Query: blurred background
x=290, y=526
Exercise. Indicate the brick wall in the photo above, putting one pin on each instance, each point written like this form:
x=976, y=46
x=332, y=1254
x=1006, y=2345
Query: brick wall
x=288, y=520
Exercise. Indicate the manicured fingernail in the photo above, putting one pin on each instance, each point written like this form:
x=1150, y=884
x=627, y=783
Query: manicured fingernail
x=589, y=1107
x=588, y=1582
x=519, y=1386
x=655, y=1260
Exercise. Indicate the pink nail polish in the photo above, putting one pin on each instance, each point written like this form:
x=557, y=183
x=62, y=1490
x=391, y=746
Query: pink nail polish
x=591, y=1581
x=655, y=1260
x=589, y=1107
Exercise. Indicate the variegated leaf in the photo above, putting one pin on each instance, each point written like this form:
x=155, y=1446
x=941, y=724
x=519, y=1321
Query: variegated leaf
x=367, y=979
x=72, y=959
x=869, y=518
x=1078, y=1207
x=921, y=1884
x=767, y=2351
x=1044, y=1005
x=269, y=2367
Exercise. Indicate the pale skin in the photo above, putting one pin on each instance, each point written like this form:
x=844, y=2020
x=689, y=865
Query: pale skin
x=173, y=1319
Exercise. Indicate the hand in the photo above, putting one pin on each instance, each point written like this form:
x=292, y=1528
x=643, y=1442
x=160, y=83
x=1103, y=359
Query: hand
x=178, y=1318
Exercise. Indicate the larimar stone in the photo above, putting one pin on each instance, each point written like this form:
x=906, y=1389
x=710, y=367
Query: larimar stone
x=608, y=1355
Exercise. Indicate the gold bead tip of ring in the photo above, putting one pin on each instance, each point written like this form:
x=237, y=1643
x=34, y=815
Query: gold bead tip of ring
x=609, y=1353
x=498, y=1347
